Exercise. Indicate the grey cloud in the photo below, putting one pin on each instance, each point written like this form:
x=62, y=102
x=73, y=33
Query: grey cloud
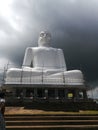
x=73, y=24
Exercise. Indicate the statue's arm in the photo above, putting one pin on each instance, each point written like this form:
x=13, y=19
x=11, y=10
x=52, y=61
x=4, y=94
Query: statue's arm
x=62, y=59
x=28, y=58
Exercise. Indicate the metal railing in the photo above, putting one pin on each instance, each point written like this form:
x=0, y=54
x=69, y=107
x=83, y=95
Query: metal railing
x=24, y=78
x=42, y=80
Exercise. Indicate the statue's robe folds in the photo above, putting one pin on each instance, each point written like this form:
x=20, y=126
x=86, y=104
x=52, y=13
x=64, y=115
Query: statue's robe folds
x=44, y=65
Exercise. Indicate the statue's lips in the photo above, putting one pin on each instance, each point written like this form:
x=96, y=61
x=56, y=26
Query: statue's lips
x=44, y=40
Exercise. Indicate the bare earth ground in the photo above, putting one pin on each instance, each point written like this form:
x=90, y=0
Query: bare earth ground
x=22, y=110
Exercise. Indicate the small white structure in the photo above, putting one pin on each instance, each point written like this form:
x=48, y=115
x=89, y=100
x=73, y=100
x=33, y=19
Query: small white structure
x=44, y=67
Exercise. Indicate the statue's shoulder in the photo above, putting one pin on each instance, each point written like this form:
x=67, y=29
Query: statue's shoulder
x=56, y=49
x=43, y=48
x=59, y=49
x=32, y=48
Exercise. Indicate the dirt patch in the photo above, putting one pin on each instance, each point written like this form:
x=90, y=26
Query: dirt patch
x=21, y=110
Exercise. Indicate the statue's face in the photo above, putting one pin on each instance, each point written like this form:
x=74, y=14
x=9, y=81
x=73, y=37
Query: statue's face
x=44, y=39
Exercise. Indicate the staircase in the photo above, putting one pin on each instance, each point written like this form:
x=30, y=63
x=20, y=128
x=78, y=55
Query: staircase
x=51, y=122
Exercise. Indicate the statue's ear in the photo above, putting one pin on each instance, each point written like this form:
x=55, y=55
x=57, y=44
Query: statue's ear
x=31, y=65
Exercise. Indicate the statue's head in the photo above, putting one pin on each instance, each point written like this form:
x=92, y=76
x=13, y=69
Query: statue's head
x=44, y=39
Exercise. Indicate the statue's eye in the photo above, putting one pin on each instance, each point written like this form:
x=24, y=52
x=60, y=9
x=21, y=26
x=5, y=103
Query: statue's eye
x=47, y=34
x=42, y=34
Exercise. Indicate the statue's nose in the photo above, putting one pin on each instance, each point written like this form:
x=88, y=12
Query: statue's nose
x=45, y=35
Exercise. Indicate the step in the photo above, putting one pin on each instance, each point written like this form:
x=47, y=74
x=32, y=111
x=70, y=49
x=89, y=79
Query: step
x=57, y=127
x=51, y=122
x=9, y=118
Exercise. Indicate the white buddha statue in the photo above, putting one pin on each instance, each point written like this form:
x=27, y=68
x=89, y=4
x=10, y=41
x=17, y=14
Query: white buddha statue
x=44, y=64
x=44, y=57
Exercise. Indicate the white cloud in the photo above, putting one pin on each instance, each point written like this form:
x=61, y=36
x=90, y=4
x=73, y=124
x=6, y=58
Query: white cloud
x=5, y=8
x=93, y=93
x=3, y=62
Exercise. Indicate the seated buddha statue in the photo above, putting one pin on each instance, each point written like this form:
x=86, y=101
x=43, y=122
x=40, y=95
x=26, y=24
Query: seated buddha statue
x=44, y=64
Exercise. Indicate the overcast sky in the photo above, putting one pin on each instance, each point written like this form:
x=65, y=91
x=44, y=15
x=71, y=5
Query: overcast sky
x=73, y=24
